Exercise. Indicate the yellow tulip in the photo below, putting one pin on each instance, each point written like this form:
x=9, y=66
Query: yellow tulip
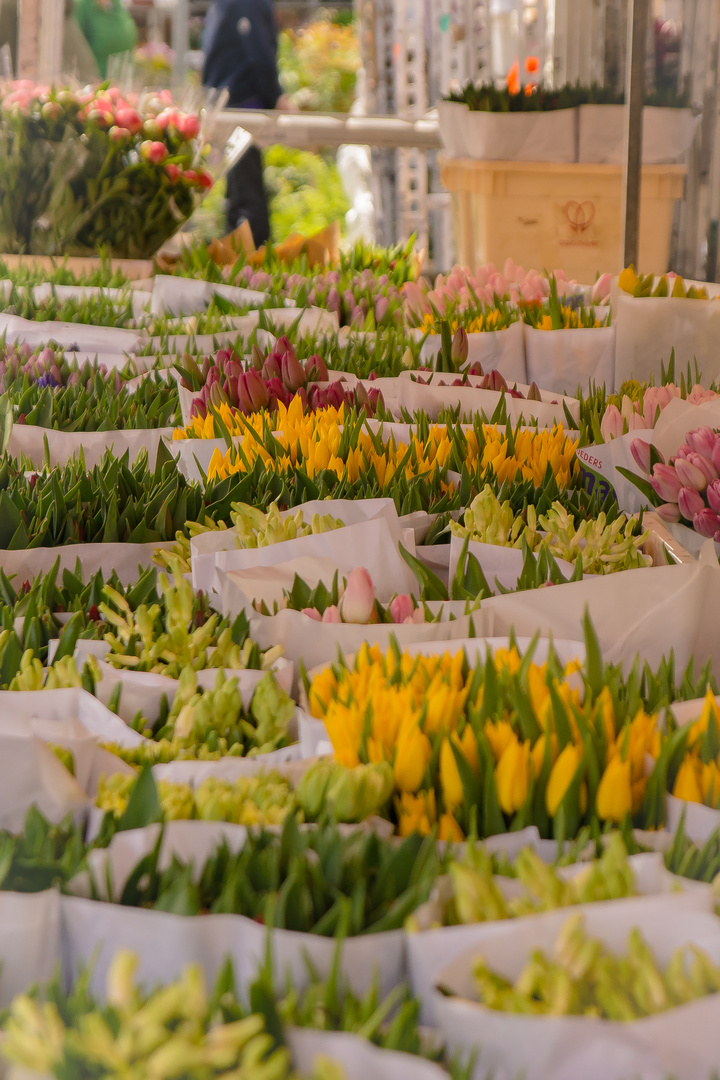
x=687, y=784
x=499, y=735
x=614, y=795
x=538, y=751
x=416, y=813
x=710, y=783
x=512, y=776
x=561, y=776
x=450, y=780
x=449, y=829
x=412, y=755
x=469, y=747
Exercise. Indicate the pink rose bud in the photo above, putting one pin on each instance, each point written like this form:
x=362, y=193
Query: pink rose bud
x=669, y=512
x=402, y=608
x=690, y=503
x=173, y=171
x=358, y=600
x=666, y=482
x=188, y=125
x=640, y=450
x=690, y=475
x=130, y=119
x=312, y=613
x=706, y=523
x=331, y=615
x=612, y=423
x=154, y=152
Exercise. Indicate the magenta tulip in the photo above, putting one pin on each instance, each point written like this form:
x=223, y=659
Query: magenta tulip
x=702, y=441
x=713, y=496
x=706, y=467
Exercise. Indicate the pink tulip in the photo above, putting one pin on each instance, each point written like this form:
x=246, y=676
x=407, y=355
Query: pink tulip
x=331, y=615
x=312, y=613
x=402, y=608
x=690, y=502
x=669, y=512
x=612, y=423
x=698, y=395
x=666, y=482
x=601, y=289
x=358, y=600
x=713, y=496
x=291, y=372
x=702, y=441
x=256, y=389
x=706, y=467
x=316, y=369
x=706, y=523
x=640, y=450
x=690, y=475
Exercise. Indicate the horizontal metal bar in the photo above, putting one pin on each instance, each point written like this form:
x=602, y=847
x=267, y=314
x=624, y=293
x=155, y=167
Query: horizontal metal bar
x=303, y=130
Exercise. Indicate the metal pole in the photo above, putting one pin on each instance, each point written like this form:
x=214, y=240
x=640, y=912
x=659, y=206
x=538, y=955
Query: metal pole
x=635, y=95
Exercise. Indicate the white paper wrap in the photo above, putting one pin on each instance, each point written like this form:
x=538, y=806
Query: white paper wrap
x=32, y=775
x=650, y=327
x=88, y=338
x=500, y=349
x=372, y=543
x=185, y=296
x=667, y=134
x=29, y=940
x=358, y=1057
x=139, y=298
x=123, y=558
x=630, y=611
x=562, y=360
x=431, y=399
x=683, y=1042
x=29, y=440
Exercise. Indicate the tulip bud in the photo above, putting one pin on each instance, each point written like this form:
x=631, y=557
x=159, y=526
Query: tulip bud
x=316, y=369
x=705, y=522
x=459, y=350
x=130, y=119
x=713, y=496
x=640, y=450
x=331, y=615
x=496, y=381
x=669, y=512
x=705, y=466
x=614, y=794
x=312, y=613
x=402, y=608
x=689, y=475
x=173, y=172
x=381, y=306
x=271, y=368
x=358, y=602
x=702, y=441
x=666, y=482
x=690, y=503
x=154, y=152
x=256, y=358
x=187, y=125
x=533, y=393
x=612, y=424
x=257, y=390
x=291, y=372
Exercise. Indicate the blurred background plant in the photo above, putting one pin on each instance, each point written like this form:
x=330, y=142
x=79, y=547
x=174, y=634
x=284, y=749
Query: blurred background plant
x=319, y=63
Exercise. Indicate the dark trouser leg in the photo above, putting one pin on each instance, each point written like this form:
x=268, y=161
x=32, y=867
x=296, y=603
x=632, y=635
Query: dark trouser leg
x=247, y=198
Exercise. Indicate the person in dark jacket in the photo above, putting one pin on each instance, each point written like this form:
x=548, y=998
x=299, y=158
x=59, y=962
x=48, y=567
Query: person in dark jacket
x=240, y=46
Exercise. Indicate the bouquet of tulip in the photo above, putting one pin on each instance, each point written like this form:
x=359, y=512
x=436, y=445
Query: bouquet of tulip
x=474, y=318
x=637, y=405
x=639, y=285
x=90, y=170
x=270, y=380
x=504, y=744
x=687, y=489
x=49, y=391
x=261, y=800
x=558, y=313
x=172, y=1029
x=22, y=669
x=604, y=544
x=105, y=275
x=697, y=779
x=351, y=601
x=93, y=309
x=463, y=291
x=210, y=724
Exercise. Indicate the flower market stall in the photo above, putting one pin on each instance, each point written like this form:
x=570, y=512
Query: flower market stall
x=359, y=644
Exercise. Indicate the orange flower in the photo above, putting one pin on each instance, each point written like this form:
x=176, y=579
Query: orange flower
x=513, y=78
x=532, y=65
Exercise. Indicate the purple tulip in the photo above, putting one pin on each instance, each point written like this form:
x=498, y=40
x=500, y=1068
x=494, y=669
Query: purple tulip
x=706, y=523
x=316, y=369
x=689, y=475
x=690, y=502
x=641, y=450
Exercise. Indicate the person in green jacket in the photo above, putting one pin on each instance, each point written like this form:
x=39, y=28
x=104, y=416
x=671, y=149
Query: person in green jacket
x=109, y=28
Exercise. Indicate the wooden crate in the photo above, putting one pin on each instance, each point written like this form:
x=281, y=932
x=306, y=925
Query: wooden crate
x=557, y=216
